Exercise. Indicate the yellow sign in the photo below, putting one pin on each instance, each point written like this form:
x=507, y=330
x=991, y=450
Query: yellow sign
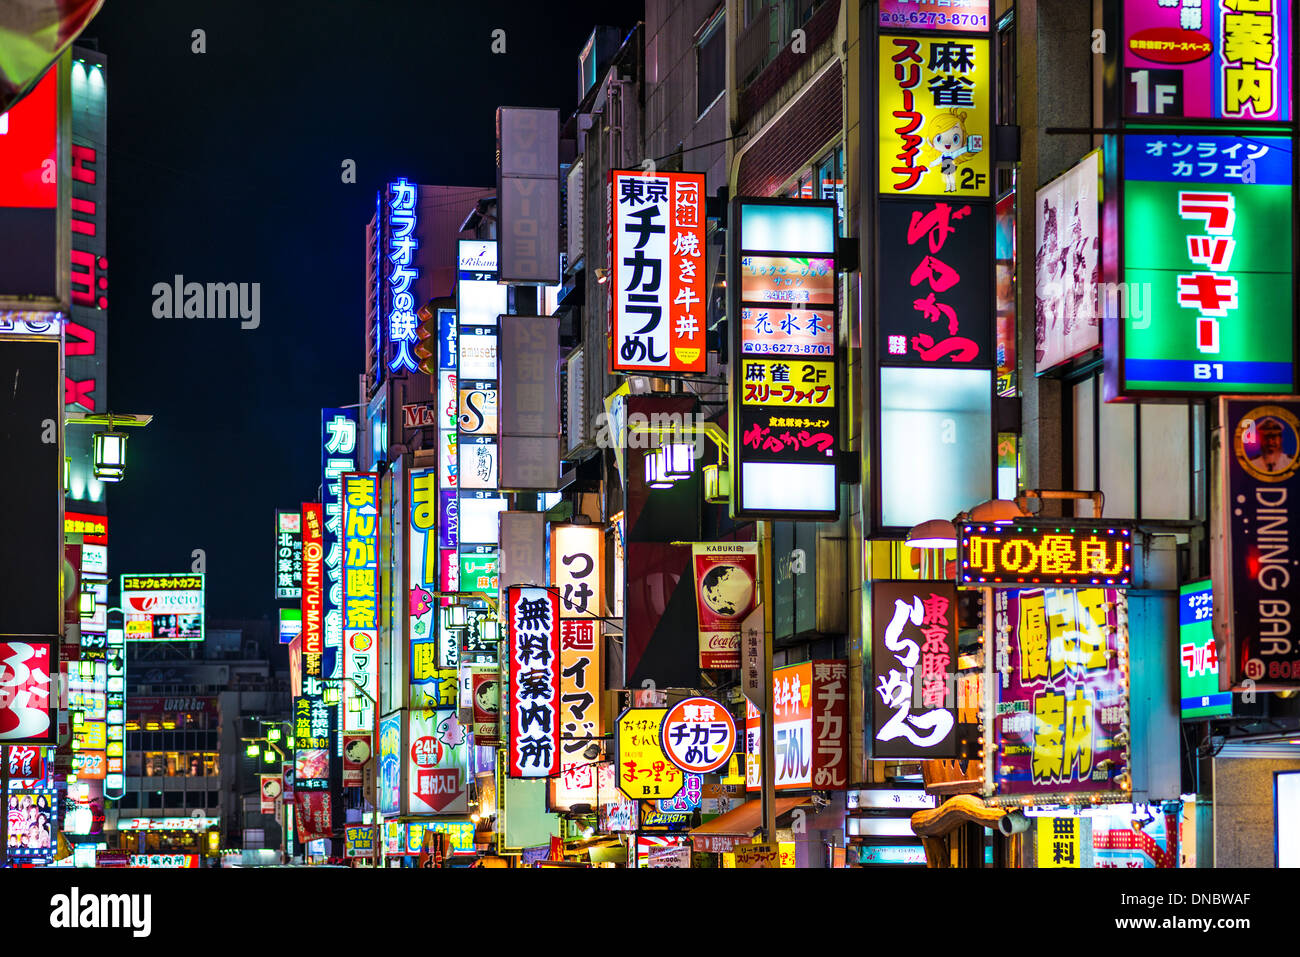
x=788, y=856
x=644, y=771
x=1058, y=842
x=144, y=628
x=787, y=382
x=758, y=855
x=934, y=116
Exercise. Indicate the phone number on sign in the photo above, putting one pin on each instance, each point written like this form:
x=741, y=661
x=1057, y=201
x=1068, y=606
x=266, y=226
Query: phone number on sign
x=772, y=348
x=934, y=19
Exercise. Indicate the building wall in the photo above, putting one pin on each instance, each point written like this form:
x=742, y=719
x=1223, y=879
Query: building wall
x=1244, y=826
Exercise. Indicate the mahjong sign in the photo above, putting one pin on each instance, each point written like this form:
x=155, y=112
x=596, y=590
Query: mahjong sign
x=1207, y=60
x=1206, y=300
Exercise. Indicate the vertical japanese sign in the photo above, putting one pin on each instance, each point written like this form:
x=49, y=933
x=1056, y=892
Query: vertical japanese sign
x=423, y=559
x=28, y=698
x=360, y=601
x=1256, y=587
x=1057, y=839
x=1207, y=60
x=311, y=738
x=480, y=302
x=580, y=690
x=1198, y=659
x=288, y=554
x=726, y=591
x=402, y=244
x=699, y=736
x=657, y=266
x=533, y=695
x=313, y=590
x=1061, y=719
x=485, y=700
x=935, y=115
x=339, y=453
x=644, y=771
x=1067, y=314
x=115, y=713
x=810, y=703
x=783, y=407
x=914, y=669
x=436, y=772
x=1207, y=264
x=578, y=569
x=390, y=763
x=936, y=303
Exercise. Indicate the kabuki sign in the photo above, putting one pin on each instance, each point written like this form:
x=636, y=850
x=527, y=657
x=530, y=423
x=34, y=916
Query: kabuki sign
x=698, y=735
x=914, y=665
x=1207, y=59
x=1060, y=674
x=934, y=115
x=657, y=267
x=1010, y=555
x=533, y=696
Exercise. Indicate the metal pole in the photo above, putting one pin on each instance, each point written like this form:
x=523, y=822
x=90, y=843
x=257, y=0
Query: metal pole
x=768, y=751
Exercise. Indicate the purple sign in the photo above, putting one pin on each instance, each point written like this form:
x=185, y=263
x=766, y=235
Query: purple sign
x=448, y=519
x=1062, y=710
x=965, y=15
x=1205, y=60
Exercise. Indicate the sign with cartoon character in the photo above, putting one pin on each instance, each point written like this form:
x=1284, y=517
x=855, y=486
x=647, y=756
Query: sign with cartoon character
x=935, y=113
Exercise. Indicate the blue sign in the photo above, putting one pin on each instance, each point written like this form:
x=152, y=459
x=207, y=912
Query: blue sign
x=402, y=244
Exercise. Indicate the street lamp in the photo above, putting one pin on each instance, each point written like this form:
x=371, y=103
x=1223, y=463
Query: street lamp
x=109, y=446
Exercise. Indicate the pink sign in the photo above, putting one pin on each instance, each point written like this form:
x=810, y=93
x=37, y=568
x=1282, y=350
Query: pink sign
x=964, y=15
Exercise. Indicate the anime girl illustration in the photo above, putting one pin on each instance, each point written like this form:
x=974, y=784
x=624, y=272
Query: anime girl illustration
x=948, y=142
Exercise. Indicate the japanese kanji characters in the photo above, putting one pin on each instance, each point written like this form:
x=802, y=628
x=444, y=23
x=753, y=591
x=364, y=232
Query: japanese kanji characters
x=534, y=682
x=402, y=244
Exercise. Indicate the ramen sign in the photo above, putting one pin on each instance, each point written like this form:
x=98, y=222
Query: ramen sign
x=698, y=735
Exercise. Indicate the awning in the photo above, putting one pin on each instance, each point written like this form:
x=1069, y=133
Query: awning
x=724, y=832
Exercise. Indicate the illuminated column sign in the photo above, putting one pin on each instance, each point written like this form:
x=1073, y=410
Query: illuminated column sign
x=339, y=455
x=445, y=574
x=656, y=262
x=288, y=554
x=784, y=412
x=360, y=600
x=402, y=244
x=115, y=714
x=481, y=301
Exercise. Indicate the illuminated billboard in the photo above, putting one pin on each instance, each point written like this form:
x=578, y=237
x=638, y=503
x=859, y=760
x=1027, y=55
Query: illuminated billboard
x=163, y=607
x=656, y=263
x=785, y=423
x=935, y=116
x=1041, y=553
x=1207, y=266
x=360, y=601
x=965, y=15
x=1198, y=659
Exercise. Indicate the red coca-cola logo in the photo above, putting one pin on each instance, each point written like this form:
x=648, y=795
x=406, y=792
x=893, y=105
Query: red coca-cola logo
x=724, y=642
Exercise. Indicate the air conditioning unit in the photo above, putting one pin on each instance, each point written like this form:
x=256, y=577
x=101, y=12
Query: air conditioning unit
x=575, y=209
x=575, y=401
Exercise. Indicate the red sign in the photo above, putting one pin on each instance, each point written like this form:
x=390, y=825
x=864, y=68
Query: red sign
x=810, y=708
x=72, y=587
x=698, y=735
x=313, y=589
x=437, y=787
x=656, y=265
x=533, y=700
x=92, y=528
x=272, y=789
x=26, y=703
x=313, y=815
x=26, y=762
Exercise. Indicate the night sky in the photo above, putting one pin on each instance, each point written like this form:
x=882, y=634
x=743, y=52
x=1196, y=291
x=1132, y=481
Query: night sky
x=226, y=167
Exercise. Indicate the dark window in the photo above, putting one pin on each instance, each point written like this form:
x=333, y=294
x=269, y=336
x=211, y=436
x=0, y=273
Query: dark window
x=174, y=799
x=153, y=799
x=710, y=65
x=130, y=800
x=214, y=799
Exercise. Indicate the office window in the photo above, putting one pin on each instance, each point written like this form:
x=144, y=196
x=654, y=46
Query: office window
x=1286, y=817
x=710, y=64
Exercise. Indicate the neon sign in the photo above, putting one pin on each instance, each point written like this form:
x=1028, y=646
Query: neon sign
x=1010, y=555
x=402, y=244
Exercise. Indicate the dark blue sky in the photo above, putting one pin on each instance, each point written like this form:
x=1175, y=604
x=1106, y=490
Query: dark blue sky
x=225, y=167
